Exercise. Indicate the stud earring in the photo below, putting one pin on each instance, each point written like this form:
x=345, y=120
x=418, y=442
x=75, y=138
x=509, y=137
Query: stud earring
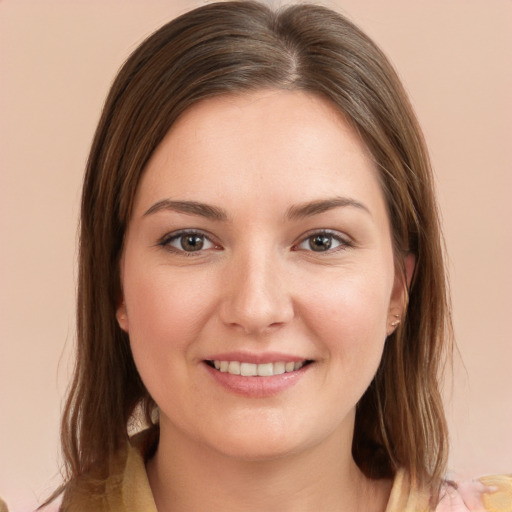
x=397, y=321
x=155, y=415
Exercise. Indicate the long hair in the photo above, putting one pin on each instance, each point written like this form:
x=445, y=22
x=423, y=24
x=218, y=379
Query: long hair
x=237, y=47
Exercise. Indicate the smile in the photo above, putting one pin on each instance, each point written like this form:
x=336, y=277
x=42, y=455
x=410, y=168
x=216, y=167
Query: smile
x=257, y=370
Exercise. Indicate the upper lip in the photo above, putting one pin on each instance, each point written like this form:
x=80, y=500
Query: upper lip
x=256, y=358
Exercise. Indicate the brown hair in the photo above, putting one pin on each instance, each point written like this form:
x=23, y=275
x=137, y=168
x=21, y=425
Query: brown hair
x=236, y=47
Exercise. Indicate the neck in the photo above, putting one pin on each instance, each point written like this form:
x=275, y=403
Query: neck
x=185, y=476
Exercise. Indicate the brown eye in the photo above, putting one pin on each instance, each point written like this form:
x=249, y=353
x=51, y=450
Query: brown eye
x=320, y=243
x=324, y=241
x=187, y=242
x=191, y=243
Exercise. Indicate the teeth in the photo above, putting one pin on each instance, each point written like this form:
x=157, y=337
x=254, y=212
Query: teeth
x=248, y=369
x=279, y=368
x=234, y=368
x=266, y=370
x=260, y=370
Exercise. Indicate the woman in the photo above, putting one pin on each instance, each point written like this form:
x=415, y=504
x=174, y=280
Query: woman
x=261, y=279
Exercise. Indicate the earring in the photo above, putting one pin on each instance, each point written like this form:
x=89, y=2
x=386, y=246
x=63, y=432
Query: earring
x=397, y=321
x=155, y=415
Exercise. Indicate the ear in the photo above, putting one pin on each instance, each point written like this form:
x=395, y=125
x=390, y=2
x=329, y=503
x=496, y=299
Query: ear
x=400, y=293
x=122, y=316
x=121, y=312
x=409, y=266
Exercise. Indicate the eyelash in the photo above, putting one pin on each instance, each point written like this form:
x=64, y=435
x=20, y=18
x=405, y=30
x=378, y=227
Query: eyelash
x=165, y=242
x=343, y=243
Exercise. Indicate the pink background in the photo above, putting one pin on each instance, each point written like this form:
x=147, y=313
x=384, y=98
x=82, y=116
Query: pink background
x=57, y=60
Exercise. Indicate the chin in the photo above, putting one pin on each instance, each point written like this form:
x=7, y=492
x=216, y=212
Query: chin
x=264, y=441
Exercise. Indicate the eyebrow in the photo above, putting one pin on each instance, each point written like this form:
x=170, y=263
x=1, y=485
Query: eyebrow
x=294, y=212
x=315, y=207
x=189, y=207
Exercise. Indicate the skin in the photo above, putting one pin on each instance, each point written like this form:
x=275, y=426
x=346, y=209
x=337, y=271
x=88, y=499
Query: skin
x=257, y=286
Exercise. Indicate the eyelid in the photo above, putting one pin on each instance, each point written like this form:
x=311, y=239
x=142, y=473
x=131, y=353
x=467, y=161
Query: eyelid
x=344, y=240
x=165, y=240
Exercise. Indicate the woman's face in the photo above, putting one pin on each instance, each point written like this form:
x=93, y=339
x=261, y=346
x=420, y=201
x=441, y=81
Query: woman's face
x=259, y=244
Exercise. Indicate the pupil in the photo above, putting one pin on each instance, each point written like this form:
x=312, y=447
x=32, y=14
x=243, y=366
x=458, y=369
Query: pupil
x=192, y=242
x=320, y=243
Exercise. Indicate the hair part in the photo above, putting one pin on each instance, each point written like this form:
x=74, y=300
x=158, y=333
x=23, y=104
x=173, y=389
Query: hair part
x=238, y=47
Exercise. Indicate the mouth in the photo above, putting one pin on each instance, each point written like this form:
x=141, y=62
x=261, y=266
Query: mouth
x=257, y=370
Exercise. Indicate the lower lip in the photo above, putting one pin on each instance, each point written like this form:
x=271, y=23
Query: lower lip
x=257, y=387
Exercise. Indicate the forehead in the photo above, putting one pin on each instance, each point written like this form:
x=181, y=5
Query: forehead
x=268, y=144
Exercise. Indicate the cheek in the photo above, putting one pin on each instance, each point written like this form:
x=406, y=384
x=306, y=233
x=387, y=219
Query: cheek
x=357, y=303
x=348, y=315
x=166, y=312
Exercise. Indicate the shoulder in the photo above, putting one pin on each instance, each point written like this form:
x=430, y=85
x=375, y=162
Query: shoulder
x=485, y=494
x=124, y=489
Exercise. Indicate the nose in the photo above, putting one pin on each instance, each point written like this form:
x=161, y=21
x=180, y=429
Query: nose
x=257, y=297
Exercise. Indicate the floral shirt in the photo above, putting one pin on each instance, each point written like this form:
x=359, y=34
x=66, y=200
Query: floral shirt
x=487, y=494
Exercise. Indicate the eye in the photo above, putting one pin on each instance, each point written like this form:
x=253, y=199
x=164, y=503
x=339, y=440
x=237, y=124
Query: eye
x=323, y=241
x=187, y=241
